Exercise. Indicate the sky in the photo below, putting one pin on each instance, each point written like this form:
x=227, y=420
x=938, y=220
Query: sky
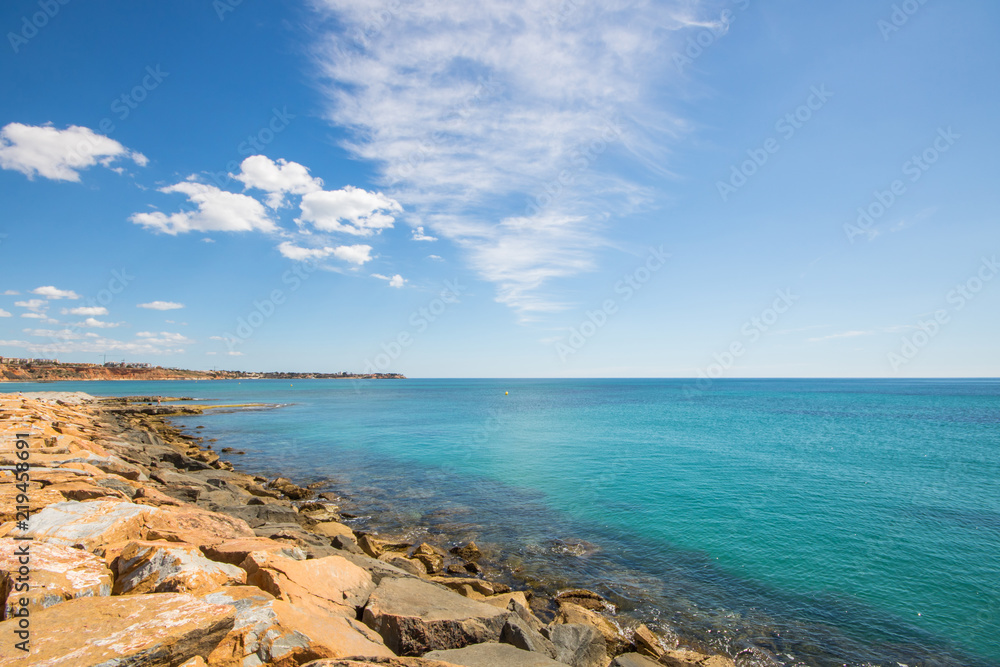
x=690, y=189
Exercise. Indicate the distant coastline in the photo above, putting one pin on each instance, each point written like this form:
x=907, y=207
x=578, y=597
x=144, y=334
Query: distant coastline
x=47, y=370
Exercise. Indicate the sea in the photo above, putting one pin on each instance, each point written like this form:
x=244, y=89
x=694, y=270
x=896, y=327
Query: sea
x=791, y=522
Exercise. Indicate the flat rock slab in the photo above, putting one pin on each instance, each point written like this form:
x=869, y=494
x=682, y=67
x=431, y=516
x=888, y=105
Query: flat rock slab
x=275, y=633
x=415, y=616
x=138, y=631
x=493, y=655
x=634, y=660
x=89, y=525
x=168, y=567
x=331, y=585
x=58, y=574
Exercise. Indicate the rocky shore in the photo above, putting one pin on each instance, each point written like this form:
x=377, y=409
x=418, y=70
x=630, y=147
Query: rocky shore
x=124, y=541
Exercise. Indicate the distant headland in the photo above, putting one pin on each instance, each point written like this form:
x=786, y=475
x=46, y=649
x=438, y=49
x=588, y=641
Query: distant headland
x=51, y=370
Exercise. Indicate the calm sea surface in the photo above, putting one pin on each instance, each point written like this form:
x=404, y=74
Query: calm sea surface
x=827, y=522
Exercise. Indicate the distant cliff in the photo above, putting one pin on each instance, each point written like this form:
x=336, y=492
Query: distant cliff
x=62, y=372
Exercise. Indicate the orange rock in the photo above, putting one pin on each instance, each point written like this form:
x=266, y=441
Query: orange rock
x=170, y=567
x=194, y=525
x=278, y=634
x=155, y=629
x=89, y=525
x=332, y=584
x=57, y=574
x=79, y=490
x=235, y=552
x=333, y=529
x=572, y=613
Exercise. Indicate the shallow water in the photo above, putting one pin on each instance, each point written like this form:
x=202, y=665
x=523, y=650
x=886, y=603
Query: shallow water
x=827, y=522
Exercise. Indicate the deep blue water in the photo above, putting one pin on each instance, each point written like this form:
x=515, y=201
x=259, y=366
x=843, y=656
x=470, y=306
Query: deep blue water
x=827, y=521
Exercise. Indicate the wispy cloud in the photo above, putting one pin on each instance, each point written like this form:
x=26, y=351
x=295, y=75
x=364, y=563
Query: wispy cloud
x=489, y=121
x=870, y=332
x=161, y=305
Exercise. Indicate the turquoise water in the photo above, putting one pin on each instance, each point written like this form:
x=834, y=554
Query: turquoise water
x=824, y=521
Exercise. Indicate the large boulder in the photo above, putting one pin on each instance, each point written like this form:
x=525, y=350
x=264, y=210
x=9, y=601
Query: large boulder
x=634, y=660
x=520, y=634
x=579, y=645
x=275, y=633
x=166, y=567
x=194, y=525
x=616, y=637
x=89, y=525
x=493, y=655
x=329, y=585
x=415, y=616
x=58, y=574
x=235, y=552
x=140, y=630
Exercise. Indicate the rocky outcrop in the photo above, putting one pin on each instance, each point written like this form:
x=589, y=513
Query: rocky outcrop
x=494, y=655
x=57, y=574
x=579, y=645
x=415, y=616
x=164, y=567
x=155, y=629
x=330, y=585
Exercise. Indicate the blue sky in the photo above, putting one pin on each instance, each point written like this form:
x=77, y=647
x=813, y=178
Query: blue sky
x=527, y=189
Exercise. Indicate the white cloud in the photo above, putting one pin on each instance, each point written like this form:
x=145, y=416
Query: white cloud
x=277, y=178
x=34, y=316
x=492, y=114
x=395, y=281
x=66, y=341
x=59, y=154
x=4, y=313
x=50, y=292
x=93, y=323
x=436, y=258
x=218, y=211
x=161, y=305
x=34, y=305
x=85, y=310
x=418, y=235
x=11, y=292
x=354, y=254
x=349, y=210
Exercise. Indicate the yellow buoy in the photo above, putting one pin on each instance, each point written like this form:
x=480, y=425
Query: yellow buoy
x=506, y=393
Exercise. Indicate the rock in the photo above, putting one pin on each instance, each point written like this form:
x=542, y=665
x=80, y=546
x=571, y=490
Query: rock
x=346, y=544
x=261, y=515
x=415, y=567
x=518, y=633
x=58, y=574
x=155, y=629
x=688, y=658
x=332, y=585
x=469, y=552
x=516, y=602
x=89, y=525
x=164, y=567
x=332, y=529
x=579, y=645
x=291, y=490
x=617, y=639
x=415, y=616
x=634, y=660
x=433, y=563
x=493, y=655
x=647, y=643
x=379, y=570
x=276, y=633
x=380, y=662
x=196, y=661
x=375, y=547
x=196, y=526
x=235, y=552
x=586, y=599
x=477, y=589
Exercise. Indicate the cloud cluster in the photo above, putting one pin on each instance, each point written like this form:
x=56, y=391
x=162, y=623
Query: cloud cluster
x=277, y=178
x=216, y=211
x=349, y=210
x=484, y=115
x=59, y=155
